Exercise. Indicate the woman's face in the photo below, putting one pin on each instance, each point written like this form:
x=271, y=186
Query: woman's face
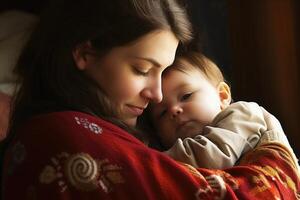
x=131, y=75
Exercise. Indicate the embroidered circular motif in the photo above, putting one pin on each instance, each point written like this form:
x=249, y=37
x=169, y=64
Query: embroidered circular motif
x=95, y=128
x=82, y=171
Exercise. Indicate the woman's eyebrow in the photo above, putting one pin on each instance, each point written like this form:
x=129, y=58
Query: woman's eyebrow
x=151, y=60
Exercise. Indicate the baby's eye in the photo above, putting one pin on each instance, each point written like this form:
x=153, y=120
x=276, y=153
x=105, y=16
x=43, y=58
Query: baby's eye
x=162, y=113
x=186, y=96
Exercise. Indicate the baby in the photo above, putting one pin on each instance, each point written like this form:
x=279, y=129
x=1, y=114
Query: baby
x=196, y=121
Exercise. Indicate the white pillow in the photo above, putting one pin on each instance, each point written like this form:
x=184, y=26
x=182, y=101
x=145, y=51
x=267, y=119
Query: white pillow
x=14, y=21
x=16, y=27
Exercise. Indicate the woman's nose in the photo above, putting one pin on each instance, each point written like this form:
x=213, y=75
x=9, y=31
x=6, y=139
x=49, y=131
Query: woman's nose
x=153, y=95
x=175, y=111
x=157, y=96
x=154, y=92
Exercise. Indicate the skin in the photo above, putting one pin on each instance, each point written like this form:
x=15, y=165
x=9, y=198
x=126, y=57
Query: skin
x=130, y=75
x=189, y=103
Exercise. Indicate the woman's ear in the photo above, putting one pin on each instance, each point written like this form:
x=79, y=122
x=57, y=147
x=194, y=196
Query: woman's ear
x=224, y=94
x=81, y=55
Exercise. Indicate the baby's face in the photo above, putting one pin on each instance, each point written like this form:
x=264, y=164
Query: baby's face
x=189, y=103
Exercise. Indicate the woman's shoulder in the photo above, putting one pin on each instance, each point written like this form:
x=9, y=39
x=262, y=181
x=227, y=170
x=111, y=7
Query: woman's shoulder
x=70, y=120
x=54, y=124
x=70, y=128
x=61, y=119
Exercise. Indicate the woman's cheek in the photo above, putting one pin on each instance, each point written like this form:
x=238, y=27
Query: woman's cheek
x=131, y=88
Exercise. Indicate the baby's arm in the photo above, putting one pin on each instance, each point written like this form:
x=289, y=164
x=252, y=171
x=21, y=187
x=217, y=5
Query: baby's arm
x=233, y=132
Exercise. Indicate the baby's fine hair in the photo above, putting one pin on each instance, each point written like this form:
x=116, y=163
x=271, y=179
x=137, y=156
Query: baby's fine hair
x=196, y=60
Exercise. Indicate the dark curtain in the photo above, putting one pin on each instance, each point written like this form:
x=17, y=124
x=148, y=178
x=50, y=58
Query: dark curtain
x=257, y=45
x=265, y=46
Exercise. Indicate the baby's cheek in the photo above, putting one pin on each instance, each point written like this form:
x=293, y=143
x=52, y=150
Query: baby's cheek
x=210, y=112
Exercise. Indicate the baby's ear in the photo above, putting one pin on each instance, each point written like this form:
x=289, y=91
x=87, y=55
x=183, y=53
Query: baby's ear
x=224, y=94
x=81, y=55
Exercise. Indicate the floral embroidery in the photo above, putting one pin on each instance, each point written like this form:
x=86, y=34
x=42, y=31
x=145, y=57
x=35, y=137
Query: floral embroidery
x=204, y=193
x=276, y=173
x=53, y=172
x=48, y=175
x=216, y=183
x=230, y=180
x=88, y=125
x=109, y=175
x=192, y=170
x=261, y=183
x=273, y=173
x=95, y=128
x=82, y=172
x=215, y=188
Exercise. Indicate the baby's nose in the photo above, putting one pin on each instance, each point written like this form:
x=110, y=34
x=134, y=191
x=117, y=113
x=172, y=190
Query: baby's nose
x=175, y=111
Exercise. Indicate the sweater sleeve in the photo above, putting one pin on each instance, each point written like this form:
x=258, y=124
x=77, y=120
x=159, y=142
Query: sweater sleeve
x=71, y=155
x=234, y=131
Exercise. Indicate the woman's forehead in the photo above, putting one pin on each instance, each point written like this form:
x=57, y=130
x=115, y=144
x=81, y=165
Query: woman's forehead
x=157, y=46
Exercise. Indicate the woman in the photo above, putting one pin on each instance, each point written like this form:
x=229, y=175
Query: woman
x=88, y=71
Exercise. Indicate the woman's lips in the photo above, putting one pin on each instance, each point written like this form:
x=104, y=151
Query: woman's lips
x=135, y=110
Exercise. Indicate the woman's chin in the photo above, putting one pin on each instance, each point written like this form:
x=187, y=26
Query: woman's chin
x=130, y=122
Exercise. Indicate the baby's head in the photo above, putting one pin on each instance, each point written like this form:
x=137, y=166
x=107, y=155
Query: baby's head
x=194, y=92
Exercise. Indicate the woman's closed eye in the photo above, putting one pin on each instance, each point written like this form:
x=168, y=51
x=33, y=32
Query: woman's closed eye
x=139, y=71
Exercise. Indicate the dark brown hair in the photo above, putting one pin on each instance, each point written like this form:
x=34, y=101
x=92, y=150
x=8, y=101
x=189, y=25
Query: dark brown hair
x=48, y=76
